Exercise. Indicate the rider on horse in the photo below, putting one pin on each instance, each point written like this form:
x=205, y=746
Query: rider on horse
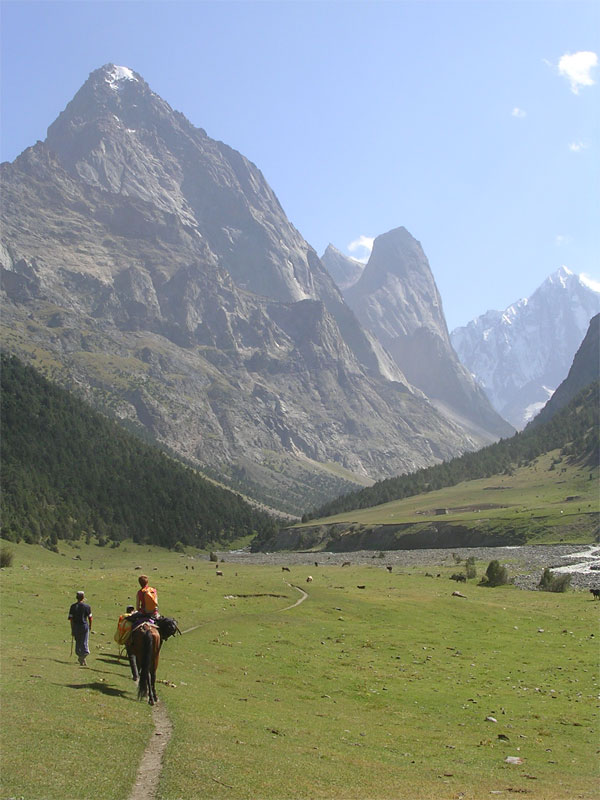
x=146, y=601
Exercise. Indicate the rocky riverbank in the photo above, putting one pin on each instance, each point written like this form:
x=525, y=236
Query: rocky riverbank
x=525, y=563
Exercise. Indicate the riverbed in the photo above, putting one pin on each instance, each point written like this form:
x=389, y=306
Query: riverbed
x=525, y=563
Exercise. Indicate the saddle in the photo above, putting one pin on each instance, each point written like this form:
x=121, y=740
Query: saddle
x=167, y=627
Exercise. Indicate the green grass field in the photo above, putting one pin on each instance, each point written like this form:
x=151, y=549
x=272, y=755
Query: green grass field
x=355, y=694
x=532, y=500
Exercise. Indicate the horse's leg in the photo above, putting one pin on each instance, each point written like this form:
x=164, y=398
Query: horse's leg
x=144, y=659
x=152, y=692
x=157, y=646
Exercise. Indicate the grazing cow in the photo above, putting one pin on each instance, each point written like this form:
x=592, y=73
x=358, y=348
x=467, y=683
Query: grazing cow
x=595, y=593
x=309, y=579
x=285, y=569
x=219, y=573
x=316, y=563
x=389, y=569
x=360, y=586
x=458, y=577
x=346, y=564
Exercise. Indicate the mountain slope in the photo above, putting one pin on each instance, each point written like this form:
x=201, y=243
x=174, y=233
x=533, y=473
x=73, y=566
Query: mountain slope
x=575, y=425
x=151, y=269
x=396, y=298
x=520, y=355
x=585, y=369
x=540, y=486
x=69, y=472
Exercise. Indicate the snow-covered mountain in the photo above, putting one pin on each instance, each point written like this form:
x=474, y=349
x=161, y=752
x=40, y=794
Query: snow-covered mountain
x=522, y=354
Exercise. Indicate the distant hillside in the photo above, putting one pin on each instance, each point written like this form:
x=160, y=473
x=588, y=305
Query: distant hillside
x=68, y=472
x=574, y=428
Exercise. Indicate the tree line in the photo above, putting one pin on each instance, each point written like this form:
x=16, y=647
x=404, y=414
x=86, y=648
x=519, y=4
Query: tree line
x=70, y=473
x=574, y=430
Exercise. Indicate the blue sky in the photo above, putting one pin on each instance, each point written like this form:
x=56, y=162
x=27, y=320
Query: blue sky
x=472, y=124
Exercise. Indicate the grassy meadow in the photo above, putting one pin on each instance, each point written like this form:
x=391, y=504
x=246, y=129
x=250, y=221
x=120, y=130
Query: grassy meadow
x=532, y=501
x=374, y=693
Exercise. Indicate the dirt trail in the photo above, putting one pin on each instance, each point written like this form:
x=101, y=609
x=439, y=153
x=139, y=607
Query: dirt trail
x=297, y=603
x=146, y=782
x=148, y=775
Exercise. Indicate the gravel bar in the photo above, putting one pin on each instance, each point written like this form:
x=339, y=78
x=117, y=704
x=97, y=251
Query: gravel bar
x=525, y=563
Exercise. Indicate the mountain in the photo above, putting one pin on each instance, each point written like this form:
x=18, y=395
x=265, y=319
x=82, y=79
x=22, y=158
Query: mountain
x=344, y=270
x=151, y=269
x=396, y=298
x=520, y=355
x=585, y=369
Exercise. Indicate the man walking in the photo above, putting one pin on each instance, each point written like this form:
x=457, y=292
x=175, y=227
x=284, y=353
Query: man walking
x=80, y=616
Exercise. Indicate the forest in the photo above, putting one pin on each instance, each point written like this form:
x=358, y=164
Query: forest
x=70, y=473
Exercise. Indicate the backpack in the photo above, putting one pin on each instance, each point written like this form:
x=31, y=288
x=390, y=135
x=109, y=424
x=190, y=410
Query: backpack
x=150, y=599
x=167, y=627
x=123, y=631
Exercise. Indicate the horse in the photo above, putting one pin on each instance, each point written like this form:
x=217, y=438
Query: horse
x=144, y=645
x=143, y=650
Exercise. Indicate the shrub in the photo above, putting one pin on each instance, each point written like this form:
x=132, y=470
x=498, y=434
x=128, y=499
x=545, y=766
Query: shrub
x=470, y=569
x=6, y=557
x=554, y=583
x=212, y=556
x=495, y=574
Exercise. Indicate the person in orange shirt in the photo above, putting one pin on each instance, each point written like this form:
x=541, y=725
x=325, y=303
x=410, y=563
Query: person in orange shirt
x=146, y=601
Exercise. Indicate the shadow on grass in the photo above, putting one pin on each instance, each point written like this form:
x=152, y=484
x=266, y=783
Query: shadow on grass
x=90, y=666
x=98, y=686
x=112, y=660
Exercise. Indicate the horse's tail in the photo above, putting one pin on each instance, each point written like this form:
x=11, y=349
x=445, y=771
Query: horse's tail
x=144, y=683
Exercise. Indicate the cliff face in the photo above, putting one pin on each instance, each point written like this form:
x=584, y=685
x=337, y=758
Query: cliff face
x=153, y=270
x=585, y=369
x=520, y=355
x=396, y=298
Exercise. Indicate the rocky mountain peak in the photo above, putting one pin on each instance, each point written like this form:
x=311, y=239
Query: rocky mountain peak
x=396, y=298
x=110, y=89
x=399, y=288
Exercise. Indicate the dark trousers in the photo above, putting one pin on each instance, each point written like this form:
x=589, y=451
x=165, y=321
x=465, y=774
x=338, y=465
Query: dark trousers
x=82, y=637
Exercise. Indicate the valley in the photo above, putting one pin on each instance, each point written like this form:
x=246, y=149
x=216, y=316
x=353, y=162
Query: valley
x=378, y=685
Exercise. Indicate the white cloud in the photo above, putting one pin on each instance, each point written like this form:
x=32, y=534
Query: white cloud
x=518, y=112
x=560, y=239
x=577, y=147
x=577, y=67
x=362, y=243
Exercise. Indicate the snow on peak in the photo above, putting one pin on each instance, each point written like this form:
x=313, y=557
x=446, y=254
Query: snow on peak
x=115, y=75
x=589, y=282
